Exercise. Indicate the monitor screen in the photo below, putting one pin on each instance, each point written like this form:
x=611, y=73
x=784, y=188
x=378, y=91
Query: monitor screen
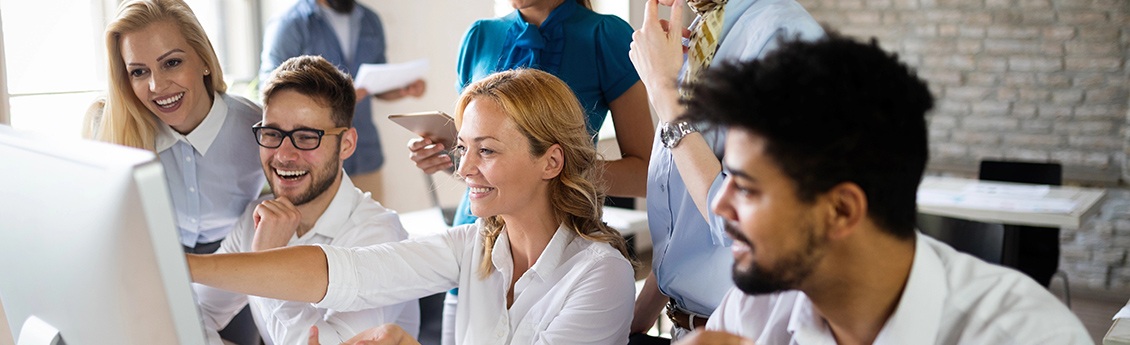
x=88, y=245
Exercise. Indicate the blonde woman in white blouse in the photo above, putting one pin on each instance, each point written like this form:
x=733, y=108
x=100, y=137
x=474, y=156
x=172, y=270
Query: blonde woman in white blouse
x=539, y=267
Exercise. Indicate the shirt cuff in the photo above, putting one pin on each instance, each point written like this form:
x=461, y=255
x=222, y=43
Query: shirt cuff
x=341, y=290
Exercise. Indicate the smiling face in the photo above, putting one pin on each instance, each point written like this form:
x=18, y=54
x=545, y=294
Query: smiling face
x=778, y=239
x=502, y=176
x=167, y=75
x=303, y=175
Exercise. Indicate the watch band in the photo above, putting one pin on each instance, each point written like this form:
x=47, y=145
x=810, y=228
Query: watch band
x=673, y=132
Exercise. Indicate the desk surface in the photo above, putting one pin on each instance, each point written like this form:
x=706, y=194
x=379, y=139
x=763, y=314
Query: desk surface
x=1008, y=203
x=430, y=221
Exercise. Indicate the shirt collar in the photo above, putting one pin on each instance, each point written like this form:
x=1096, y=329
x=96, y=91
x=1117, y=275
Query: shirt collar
x=550, y=257
x=200, y=138
x=917, y=315
x=332, y=221
x=919, y=309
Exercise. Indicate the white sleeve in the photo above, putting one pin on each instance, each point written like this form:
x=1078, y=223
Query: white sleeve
x=289, y=322
x=391, y=273
x=217, y=306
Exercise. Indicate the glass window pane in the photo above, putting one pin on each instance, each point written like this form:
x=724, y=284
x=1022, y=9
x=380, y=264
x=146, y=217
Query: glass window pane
x=51, y=46
x=53, y=115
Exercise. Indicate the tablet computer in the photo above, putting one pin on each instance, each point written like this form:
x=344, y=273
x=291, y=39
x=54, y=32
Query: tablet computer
x=435, y=125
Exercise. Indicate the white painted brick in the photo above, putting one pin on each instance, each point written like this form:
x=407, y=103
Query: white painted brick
x=1034, y=64
x=1095, y=143
x=1031, y=140
x=1058, y=32
x=989, y=123
x=1085, y=127
x=1100, y=111
x=1081, y=17
x=976, y=138
x=1111, y=64
x=1052, y=111
x=991, y=108
x=1116, y=95
x=1067, y=96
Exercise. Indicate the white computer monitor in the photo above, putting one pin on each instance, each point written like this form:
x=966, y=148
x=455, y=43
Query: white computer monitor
x=88, y=245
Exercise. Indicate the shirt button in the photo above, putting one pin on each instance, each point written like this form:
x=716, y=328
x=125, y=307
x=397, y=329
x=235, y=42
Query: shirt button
x=192, y=220
x=663, y=188
x=192, y=189
x=187, y=159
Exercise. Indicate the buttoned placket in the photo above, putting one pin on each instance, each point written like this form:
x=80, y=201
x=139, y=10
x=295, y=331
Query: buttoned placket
x=192, y=183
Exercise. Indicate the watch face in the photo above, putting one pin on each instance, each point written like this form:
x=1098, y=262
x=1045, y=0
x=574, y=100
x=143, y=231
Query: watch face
x=668, y=135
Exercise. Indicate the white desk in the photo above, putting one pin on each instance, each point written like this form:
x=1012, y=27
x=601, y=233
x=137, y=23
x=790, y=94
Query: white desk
x=1008, y=203
x=430, y=221
x=1119, y=332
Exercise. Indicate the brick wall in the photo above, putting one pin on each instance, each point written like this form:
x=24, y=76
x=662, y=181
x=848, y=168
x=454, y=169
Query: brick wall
x=1039, y=80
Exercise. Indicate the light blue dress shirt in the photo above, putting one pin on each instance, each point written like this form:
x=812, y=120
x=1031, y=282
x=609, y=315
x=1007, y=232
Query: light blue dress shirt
x=304, y=30
x=691, y=255
x=214, y=171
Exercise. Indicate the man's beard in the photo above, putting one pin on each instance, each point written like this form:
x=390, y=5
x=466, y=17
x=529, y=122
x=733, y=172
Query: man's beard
x=786, y=274
x=341, y=6
x=322, y=178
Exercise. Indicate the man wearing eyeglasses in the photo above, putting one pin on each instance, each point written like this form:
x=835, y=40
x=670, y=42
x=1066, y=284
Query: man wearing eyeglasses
x=304, y=137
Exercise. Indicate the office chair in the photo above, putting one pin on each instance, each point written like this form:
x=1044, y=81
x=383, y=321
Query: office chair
x=1030, y=249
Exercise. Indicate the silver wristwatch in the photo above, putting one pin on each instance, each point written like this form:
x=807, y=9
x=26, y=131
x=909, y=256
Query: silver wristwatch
x=670, y=133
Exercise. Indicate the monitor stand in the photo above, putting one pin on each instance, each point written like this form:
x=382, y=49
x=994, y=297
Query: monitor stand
x=38, y=332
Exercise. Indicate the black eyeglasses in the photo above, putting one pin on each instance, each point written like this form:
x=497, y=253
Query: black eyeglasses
x=303, y=138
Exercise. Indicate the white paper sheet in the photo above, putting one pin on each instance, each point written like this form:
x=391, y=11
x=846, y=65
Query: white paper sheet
x=379, y=78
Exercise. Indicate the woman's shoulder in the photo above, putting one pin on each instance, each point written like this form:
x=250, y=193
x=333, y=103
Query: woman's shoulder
x=242, y=107
x=607, y=24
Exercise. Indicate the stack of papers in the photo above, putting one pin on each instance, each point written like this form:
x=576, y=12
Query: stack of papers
x=380, y=78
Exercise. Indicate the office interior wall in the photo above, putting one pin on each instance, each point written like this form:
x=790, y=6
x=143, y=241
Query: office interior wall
x=1037, y=80
x=431, y=29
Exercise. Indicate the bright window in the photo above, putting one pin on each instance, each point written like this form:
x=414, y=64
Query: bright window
x=55, y=57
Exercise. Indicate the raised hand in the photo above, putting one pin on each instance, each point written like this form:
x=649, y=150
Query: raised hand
x=276, y=222
x=428, y=156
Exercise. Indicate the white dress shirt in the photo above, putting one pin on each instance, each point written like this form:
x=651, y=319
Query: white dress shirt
x=577, y=292
x=949, y=298
x=213, y=172
x=352, y=219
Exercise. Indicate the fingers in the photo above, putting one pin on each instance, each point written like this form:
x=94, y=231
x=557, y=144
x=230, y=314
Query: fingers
x=650, y=12
x=713, y=337
x=313, y=339
x=430, y=158
x=677, y=12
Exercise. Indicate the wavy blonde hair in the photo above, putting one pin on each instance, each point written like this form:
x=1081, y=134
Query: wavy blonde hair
x=546, y=112
x=126, y=120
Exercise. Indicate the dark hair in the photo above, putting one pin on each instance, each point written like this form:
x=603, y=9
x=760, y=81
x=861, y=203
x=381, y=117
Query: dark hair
x=316, y=78
x=831, y=111
x=586, y=3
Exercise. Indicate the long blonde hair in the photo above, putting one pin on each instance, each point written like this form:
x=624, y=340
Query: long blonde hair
x=546, y=112
x=126, y=120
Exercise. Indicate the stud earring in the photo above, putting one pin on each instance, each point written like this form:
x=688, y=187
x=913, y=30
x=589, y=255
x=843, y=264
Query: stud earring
x=207, y=72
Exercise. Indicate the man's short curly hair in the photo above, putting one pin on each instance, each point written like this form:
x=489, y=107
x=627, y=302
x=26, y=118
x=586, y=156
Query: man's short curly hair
x=832, y=110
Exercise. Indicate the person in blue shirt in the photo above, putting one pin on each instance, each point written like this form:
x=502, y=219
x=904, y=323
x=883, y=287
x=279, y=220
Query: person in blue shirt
x=348, y=35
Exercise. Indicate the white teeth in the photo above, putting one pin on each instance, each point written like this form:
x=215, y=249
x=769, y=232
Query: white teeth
x=480, y=189
x=170, y=100
x=285, y=173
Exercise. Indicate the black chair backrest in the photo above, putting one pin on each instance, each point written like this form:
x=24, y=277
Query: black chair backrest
x=1022, y=172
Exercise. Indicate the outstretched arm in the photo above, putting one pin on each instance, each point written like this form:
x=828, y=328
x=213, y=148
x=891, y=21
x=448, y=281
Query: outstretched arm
x=297, y=273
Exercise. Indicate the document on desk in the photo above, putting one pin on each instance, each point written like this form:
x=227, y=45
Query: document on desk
x=379, y=78
x=996, y=201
